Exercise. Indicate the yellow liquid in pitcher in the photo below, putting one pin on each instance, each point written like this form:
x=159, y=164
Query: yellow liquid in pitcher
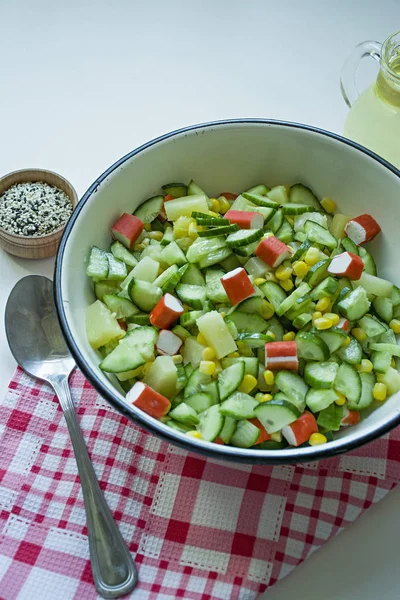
x=374, y=119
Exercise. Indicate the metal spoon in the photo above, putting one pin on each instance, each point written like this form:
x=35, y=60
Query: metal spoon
x=38, y=346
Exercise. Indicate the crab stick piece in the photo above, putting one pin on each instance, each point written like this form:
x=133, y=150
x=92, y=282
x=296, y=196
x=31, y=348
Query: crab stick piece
x=127, y=229
x=272, y=251
x=219, y=441
x=237, y=285
x=168, y=197
x=245, y=219
x=300, y=430
x=264, y=435
x=229, y=195
x=168, y=342
x=166, y=312
x=343, y=324
x=148, y=400
x=350, y=417
x=347, y=265
x=362, y=229
x=281, y=355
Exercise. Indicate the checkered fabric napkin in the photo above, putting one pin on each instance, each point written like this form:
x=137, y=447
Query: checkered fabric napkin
x=199, y=529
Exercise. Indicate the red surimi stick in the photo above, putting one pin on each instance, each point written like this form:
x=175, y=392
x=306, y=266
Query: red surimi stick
x=168, y=342
x=347, y=265
x=299, y=432
x=281, y=355
x=343, y=324
x=362, y=229
x=237, y=285
x=229, y=195
x=264, y=435
x=127, y=229
x=272, y=251
x=350, y=417
x=245, y=219
x=148, y=400
x=166, y=312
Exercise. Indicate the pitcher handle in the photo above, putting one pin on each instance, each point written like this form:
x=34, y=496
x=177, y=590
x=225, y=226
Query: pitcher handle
x=348, y=85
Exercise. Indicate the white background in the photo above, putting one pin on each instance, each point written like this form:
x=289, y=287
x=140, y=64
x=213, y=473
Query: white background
x=84, y=82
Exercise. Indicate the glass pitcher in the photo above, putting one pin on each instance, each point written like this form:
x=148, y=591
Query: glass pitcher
x=374, y=117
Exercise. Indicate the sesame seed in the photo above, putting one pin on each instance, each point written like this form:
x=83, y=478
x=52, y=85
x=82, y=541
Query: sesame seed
x=34, y=209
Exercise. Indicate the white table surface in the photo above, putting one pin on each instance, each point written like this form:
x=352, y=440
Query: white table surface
x=85, y=81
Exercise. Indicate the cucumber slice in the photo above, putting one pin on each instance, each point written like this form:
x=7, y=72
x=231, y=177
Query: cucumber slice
x=285, y=232
x=125, y=357
x=257, y=267
x=328, y=287
x=387, y=338
x=354, y=305
x=349, y=246
x=302, y=320
x=117, y=270
x=311, y=346
x=300, y=194
x=292, y=208
x=194, y=189
x=193, y=295
x=211, y=422
x=319, y=235
x=101, y=288
x=395, y=296
x=333, y=337
x=121, y=253
x=371, y=326
x=168, y=236
x=230, y=263
x=392, y=380
x=229, y=379
x=214, y=289
x=301, y=250
x=177, y=190
x=200, y=401
x=348, y=382
x=188, y=319
x=318, y=272
x=150, y=209
x=246, y=435
x=181, y=377
x=317, y=217
x=260, y=189
x=381, y=361
x=122, y=307
x=218, y=231
x=320, y=375
x=250, y=364
x=375, y=285
x=288, y=302
x=392, y=349
x=383, y=308
x=146, y=269
x=228, y=429
x=246, y=323
x=197, y=382
x=300, y=236
x=214, y=258
x=260, y=200
x=246, y=251
x=144, y=294
x=179, y=426
x=330, y=418
x=183, y=207
x=172, y=254
x=203, y=247
x=193, y=276
x=165, y=277
x=317, y=400
x=352, y=354
x=301, y=306
x=276, y=414
x=293, y=386
x=239, y=406
x=251, y=305
x=98, y=264
x=183, y=413
x=243, y=237
x=368, y=381
x=275, y=223
x=139, y=319
x=369, y=263
x=205, y=219
x=255, y=340
x=275, y=327
x=279, y=194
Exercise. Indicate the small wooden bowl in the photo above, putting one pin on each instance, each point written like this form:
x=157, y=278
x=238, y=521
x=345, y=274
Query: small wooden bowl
x=45, y=245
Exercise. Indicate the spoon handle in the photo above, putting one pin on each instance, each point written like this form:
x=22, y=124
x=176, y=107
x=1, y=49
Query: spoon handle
x=114, y=571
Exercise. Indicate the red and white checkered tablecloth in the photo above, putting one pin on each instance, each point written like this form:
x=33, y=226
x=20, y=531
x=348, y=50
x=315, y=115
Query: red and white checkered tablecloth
x=199, y=529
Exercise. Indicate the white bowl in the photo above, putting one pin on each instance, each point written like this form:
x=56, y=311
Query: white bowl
x=229, y=155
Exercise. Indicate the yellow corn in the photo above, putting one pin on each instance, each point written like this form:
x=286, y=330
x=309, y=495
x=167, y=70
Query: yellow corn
x=300, y=268
x=283, y=272
x=346, y=342
x=395, y=325
x=322, y=323
x=289, y=336
x=147, y=366
x=333, y=317
x=287, y=285
x=139, y=247
x=265, y=398
x=248, y=384
x=156, y=235
x=341, y=399
x=379, y=392
x=181, y=227
x=366, y=366
x=194, y=434
x=214, y=205
x=316, y=315
x=244, y=350
x=207, y=367
x=177, y=359
x=316, y=439
x=312, y=256
x=201, y=339
x=224, y=205
x=328, y=204
x=267, y=310
x=258, y=396
x=271, y=334
x=359, y=334
x=269, y=377
x=234, y=355
x=147, y=226
x=323, y=304
x=208, y=353
x=259, y=280
x=276, y=436
x=193, y=231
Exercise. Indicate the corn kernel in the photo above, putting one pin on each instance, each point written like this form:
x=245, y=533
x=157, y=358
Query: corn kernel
x=271, y=334
x=193, y=231
x=194, y=434
x=234, y=355
x=346, y=342
x=322, y=323
x=147, y=366
x=366, y=366
x=201, y=339
x=156, y=235
x=328, y=204
x=286, y=284
x=147, y=226
x=300, y=268
x=323, y=304
x=208, y=353
x=316, y=315
x=289, y=336
x=333, y=317
x=270, y=277
x=224, y=205
x=379, y=392
x=312, y=256
x=244, y=350
x=214, y=205
x=139, y=247
x=258, y=396
x=248, y=384
x=207, y=367
x=359, y=334
x=259, y=280
x=269, y=377
x=341, y=399
x=265, y=397
x=283, y=272
x=267, y=310
x=276, y=436
x=395, y=325
x=177, y=359
x=316, y=439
